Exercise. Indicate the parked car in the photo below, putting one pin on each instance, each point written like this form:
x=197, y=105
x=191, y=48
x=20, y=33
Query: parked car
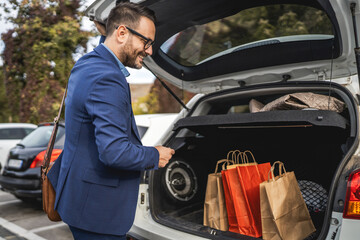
x=243, y=55
x=21, y=175
x=10, y=135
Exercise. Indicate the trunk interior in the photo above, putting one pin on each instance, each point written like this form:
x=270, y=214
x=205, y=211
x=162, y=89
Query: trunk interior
x=311, y=143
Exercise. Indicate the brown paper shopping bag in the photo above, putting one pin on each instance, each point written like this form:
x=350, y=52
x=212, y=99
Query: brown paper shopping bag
x=284, y=214
x=232, y=222
x=215, y=214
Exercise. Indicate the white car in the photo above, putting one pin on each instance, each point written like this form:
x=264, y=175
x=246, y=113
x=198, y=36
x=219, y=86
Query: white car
x=10, y=135
x=241, y=56
x=152, y=127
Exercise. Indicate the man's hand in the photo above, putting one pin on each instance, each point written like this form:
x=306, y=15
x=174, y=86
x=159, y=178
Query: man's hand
x=100, y=27
x=165, y=155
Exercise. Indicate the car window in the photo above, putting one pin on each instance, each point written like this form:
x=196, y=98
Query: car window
x=249, y=28
x=142, y=130
x=28, y=130
x=239, y=109
x=12, y=133
x=41, y=136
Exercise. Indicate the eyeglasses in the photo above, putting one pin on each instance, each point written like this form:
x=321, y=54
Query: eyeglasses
x=148, y=42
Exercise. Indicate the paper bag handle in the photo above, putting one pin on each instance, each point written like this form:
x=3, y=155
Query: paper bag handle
x=244, y=160
x=281, y=167
x=236, y=154
x=221, y=161
x=228, y=161
x=245, y=157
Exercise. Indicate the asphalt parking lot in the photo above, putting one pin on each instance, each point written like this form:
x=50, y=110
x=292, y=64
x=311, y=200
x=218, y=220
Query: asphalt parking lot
x=27, y=221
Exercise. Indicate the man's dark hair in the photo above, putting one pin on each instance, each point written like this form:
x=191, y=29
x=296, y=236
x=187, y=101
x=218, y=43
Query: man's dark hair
x=129, y=14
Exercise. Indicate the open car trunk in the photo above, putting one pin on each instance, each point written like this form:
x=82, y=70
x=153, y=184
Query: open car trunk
x=312, y=143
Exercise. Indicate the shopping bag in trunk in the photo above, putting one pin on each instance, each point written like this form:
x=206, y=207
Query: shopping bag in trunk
x=215, y=214
x=233, y=226
x=237, y=184
x=284, y=214
x=251, y=175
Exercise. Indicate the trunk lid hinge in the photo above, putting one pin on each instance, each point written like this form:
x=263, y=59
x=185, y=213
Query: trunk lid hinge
x=321, y=76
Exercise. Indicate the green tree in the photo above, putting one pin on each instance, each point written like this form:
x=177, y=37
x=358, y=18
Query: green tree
x=38, y=56
x=290, y=25
x=4, y=108
x=147, y=104
x=159, y=100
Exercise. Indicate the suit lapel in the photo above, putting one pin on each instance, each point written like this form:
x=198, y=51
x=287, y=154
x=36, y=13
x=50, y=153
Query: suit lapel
x=102, y=51
x=133, y=123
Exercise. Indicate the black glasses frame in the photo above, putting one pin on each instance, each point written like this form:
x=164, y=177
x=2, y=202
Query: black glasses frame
x=148, y=41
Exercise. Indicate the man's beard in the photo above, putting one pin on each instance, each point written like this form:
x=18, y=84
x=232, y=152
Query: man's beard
x=130, y=56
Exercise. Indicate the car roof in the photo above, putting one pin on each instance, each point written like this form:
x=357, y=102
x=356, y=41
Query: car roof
x=145, y=120
x=17, y=125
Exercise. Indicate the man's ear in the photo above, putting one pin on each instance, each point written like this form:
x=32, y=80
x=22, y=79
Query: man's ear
x=121, y=34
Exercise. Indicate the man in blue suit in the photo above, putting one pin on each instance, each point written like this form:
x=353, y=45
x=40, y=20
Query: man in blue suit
x=97, y=176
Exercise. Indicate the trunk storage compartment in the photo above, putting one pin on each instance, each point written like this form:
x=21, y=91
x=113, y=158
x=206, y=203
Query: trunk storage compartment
x=309, y=142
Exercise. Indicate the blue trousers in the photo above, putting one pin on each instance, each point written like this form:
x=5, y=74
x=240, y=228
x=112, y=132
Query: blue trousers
x=80, y=234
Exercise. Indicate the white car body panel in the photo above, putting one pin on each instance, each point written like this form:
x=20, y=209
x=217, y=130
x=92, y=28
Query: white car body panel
x=144, y=225
x=349, y=229
x=156, y=124
x=7, y=144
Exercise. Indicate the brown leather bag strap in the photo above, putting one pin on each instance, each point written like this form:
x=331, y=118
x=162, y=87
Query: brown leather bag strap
x=51, y=143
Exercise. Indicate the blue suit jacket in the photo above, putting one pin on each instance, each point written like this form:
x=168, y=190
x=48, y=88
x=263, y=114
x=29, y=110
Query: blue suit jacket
x=96, y=178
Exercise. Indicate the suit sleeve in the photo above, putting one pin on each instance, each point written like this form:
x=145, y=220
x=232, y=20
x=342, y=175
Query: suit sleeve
x=110, y=109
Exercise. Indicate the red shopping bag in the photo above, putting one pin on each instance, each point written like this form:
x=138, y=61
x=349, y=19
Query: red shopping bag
x=239, y=215
x=251, y=176
x=241, y=181
x=236, y=202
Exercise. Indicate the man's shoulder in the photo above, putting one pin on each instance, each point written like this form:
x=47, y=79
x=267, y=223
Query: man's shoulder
x=93, y=66
x=94, y=61
x=91, y=56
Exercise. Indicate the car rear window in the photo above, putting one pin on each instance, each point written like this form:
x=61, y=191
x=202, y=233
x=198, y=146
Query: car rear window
x=41, y=136
x=250, y=28
x=12, y=133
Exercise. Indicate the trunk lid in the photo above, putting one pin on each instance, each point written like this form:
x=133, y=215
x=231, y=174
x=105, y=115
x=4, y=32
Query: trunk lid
x=205, y=46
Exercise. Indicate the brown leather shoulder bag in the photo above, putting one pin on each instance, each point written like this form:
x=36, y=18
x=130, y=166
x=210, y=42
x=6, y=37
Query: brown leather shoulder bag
x=48, y=192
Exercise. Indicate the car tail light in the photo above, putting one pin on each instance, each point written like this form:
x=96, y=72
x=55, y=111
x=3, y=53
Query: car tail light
x=38, y=161
x=352, y=202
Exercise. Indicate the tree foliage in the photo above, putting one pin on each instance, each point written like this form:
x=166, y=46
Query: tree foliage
x=38, y=56
x=198, y=43
x=4, y=109
x=159, y=100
